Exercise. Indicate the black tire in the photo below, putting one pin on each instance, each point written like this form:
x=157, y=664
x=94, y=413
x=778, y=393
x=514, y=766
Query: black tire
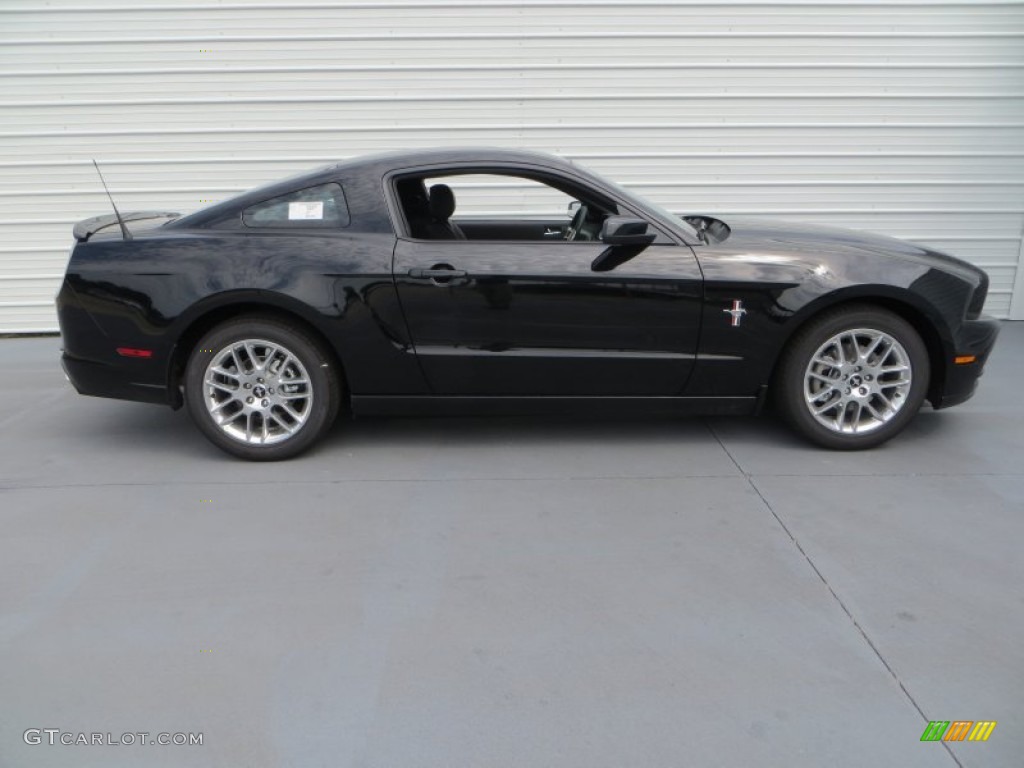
x=799, y=387
x=316, y=403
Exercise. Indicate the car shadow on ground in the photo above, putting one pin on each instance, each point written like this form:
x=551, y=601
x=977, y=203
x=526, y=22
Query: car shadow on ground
x=161, y=431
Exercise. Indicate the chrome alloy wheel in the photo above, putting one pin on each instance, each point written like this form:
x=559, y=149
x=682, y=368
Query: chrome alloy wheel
x=257, y=392
x=857, y=381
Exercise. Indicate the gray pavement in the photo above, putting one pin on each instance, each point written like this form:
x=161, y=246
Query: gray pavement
x=499, y=592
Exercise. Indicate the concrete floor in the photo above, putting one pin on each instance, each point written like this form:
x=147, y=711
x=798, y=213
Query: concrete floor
x=493, y=593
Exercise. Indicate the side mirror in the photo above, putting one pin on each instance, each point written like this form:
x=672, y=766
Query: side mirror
x=623, y=230
x=625, y=237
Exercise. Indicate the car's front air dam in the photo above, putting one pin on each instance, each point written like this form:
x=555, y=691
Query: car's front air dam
x=976, y=339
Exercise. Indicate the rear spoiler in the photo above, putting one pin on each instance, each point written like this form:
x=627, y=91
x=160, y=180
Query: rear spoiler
x=86, y=228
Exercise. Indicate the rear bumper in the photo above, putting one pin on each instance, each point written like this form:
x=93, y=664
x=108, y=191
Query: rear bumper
x=976, y=337
x=89, y=377
x=92, y=365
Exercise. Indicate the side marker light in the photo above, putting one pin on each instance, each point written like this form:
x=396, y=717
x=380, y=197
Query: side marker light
x=133, y=352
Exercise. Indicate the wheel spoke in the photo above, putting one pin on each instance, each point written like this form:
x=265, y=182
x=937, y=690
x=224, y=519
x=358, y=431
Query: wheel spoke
x=840, y=353
x=816, y=398
x=220, y=386
x=873, y=411
x=238, y=362
x=855, y=420
x=222, y=404
x=221, y=371
x=890, y=383
x=292, y=412
x=820, y=409
x=258, y=362
x=283, y=424
x=840, y=418
x=875, y=344
x=827, y=362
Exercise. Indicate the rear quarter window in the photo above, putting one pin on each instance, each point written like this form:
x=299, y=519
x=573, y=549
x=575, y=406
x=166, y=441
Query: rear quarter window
x=319, y=207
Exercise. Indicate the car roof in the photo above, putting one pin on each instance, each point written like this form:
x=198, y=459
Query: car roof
x=376, y=164
x=441, y=155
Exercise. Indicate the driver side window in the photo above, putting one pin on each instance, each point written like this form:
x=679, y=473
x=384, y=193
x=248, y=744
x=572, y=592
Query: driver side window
x=494, y=206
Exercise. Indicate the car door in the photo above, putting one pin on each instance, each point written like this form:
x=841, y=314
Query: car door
x=533, y=318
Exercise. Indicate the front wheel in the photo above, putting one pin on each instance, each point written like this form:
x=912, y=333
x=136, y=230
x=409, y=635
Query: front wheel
x=261, y=388
x=853, y=378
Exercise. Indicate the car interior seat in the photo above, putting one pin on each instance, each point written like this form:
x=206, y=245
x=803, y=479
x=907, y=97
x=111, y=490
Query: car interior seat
x=412, y=194
x=442, y=206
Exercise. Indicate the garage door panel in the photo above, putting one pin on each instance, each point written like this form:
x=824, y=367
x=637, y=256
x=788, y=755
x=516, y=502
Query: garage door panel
x=905, y=119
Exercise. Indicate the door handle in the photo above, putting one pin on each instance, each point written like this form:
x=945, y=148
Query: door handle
x=438, y=272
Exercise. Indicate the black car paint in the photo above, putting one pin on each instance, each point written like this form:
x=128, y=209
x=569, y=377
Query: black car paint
x=529, y=326
x=551, y=325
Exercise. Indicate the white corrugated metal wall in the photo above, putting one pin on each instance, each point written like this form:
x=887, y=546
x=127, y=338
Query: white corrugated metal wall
x=904, y=117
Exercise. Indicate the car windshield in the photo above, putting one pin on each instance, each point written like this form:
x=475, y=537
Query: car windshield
x=670, y=219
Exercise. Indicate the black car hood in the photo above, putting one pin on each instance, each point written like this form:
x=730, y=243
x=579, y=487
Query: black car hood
x=812, y=241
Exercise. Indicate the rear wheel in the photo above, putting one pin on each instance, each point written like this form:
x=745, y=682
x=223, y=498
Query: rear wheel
x=261, y=388
x=853, y=378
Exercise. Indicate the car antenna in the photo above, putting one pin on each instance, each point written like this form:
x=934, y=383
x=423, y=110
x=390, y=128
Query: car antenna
x=124, y=230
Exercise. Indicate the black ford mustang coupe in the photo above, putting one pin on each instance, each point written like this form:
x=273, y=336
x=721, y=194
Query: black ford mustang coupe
x=367, y=284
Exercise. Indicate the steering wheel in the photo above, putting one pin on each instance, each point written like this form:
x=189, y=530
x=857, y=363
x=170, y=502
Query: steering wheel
x=577, y=223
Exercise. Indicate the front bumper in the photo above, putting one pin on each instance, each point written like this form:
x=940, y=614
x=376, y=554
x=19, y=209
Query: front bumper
x=976, y=337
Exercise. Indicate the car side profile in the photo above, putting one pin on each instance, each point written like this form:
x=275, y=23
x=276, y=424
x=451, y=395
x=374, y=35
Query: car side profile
x=467, y=281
